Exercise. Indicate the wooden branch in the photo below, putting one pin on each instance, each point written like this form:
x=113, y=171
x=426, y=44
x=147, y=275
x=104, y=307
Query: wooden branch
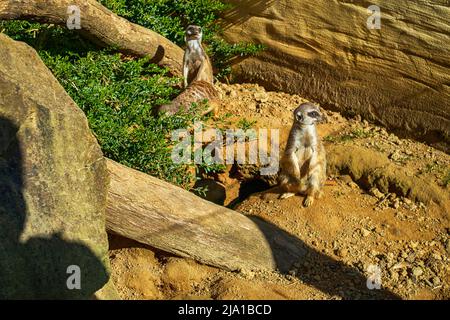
x=154, y=212
x=101, y=25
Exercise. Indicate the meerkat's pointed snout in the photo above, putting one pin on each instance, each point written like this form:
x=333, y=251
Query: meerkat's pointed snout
x=307, y=114
x=193, y=32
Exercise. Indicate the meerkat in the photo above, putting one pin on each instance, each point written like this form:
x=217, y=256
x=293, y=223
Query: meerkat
x=303, y=164
x=196, y=63
x=196, y=92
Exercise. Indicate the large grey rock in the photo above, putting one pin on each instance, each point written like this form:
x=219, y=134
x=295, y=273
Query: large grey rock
x=397, y=75
x=53, y=184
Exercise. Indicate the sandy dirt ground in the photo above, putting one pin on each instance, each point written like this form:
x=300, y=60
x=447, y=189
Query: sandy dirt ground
x=354, y=233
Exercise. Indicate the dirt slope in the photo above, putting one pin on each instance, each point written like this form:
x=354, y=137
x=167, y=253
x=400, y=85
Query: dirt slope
x=352, y=229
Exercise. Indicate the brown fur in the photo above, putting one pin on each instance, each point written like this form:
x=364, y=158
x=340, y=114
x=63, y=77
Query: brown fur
x=196, y=92
x=196, y=63
x=303, y=164
x=200, y=69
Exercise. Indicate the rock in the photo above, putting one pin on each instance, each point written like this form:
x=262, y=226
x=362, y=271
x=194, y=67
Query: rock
x=436, y=281
x=396, y=203
x=261, y=96
x=407, y=201
x=436, y=256
x=394, y=276
x=326, y=51
x=411, y=257
x=353, y=185
x=417, y=272
x=233, y=94
x=372, y=169
x=396, y=156
x=346, y=179
x=343, y=253
x=53, y=184
x=376, y=193
x=365, y=232
x=414, y=244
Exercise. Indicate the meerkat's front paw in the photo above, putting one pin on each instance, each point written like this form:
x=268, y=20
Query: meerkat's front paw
x=309, y=200
x=287, y=195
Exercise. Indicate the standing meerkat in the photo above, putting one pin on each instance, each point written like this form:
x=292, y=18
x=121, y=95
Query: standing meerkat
x=196, y=92
x=303, y=164
x=196, y=63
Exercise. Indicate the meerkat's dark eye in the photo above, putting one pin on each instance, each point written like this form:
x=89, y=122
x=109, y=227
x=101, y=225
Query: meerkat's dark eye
x=313, y=114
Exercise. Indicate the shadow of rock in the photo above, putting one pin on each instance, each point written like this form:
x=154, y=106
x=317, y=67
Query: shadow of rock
x=37, y=267
x=317, y=269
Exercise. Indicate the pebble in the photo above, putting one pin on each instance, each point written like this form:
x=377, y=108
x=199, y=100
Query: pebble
x=437, y=256
x=411, y=257
x=343, y=253
x=365, y=232
x=417, y=271
x=400, y=265
x=390, y=256
x=436, y=281
x=394, y=276
x=376, y=193
x=261, y=97
x=395, y=156
x=396, y=204
x=407, y=201
x=352, y=185
x=413, y=244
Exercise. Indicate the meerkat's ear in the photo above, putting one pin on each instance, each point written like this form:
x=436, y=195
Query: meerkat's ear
x=298, y=116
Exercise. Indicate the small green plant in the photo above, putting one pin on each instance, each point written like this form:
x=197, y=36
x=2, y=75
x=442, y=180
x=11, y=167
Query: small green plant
x=210, y=168
x=345, y=137
x=431, y=167
x=446, y=179
x=119, y=94
x=245, y=124
x=440, y=171
x=338, y=138
x=200, y=191
x=118, y=98
x=360, y=134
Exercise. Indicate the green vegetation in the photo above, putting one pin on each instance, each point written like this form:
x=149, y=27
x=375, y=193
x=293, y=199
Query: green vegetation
x=440, y=171
x=349, y=136
x=118, y=93
x=446, y=179
x=171, y=17
x=432, y=167
x=245, y=124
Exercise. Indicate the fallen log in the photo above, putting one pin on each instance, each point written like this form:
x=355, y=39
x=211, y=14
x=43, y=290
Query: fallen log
x=157, y=213
x=101, y=25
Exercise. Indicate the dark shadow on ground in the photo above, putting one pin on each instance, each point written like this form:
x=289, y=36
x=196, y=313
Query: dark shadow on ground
x=36, y=268
x=315, y=268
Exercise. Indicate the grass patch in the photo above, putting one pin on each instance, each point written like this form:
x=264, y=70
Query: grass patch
x=119, y=93
x=348, y=136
